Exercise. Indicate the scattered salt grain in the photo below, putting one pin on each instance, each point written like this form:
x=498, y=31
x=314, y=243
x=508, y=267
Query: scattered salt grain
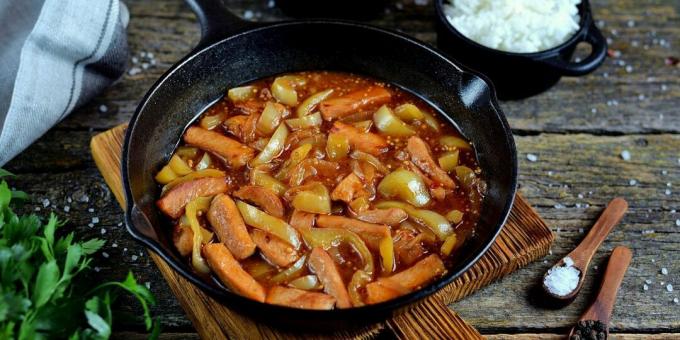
x=629, y=69
x=90, y=225
x=95, y=220
x=103, y=231
x=531, y=157
x=645, y=287
x=135, y=60
x=632, y=182
x=145, y=66
x=677, y=222
x=562, y=280
x=667, y=192
x=676, y=301
x=625, y=155
x=97, y=269
x=124, y=249
x=669, y=287
x=67, y=208
x=647, y=232
x=45, y=203
x=85, y=198
x=271, y=4
x=37, y=209
x=664, y=172
x=641, y=97
x=631, y=23
x=668, y=184
x=559, y=206
x=648, y=281
x=593, y=110
x=103, y=108
x=150, y=55
x=90, y=210
x=421, y=2
x=664, y=271
x=580, y=196
x=106, y=255
x=248, y=14
x=580, y=230
x=114, y=245
x=134, y=71
x=134, y=257
x=664, y=87
x=147, y=284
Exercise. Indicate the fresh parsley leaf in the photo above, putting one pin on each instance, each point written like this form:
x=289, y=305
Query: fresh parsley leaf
x=41, y=288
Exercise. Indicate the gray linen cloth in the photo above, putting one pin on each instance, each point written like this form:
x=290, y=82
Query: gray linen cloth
x=55, y=56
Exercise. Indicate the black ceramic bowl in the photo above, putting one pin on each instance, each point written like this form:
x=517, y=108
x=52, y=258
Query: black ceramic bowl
x=520, y=75
x=232, y=52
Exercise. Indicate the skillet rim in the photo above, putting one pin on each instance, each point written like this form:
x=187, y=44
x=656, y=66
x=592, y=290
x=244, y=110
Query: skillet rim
x=228, y=297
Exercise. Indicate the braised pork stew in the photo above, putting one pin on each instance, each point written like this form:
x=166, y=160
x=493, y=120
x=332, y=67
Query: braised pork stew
x=321, y=190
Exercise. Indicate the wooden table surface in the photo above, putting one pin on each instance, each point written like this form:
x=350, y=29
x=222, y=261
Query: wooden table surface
x=577, y=131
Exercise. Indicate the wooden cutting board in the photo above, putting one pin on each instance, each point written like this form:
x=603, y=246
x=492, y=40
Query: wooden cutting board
x=524, y=238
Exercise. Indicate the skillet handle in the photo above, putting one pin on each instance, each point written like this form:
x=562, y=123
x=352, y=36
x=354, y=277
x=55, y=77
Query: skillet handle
x=217, y=22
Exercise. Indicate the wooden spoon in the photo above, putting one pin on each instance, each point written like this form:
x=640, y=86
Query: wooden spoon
x=602, y=307
x=584, y=252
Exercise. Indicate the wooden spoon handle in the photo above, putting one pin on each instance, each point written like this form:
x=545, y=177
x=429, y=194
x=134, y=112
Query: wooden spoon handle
x=608, y=220
x=602, y=307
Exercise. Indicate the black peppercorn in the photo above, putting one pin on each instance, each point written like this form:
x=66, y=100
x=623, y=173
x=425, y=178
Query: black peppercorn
x=589, y=330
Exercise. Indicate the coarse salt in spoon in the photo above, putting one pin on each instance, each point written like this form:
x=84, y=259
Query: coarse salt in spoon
x=564, y=280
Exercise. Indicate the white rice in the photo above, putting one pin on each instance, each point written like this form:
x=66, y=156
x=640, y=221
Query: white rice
x=522, y=26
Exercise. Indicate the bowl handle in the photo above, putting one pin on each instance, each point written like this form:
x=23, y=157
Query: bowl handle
x=217, y=21
x=598, y=52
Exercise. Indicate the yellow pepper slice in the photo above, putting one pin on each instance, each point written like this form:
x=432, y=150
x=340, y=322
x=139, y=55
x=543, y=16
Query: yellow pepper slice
x=454, y=216
x=359, y=204
x=263, y=179
x=337, y=146
x=241, y=93
x=449, y=244
x=270, y=118
x=166, y=175
x=259, y=219
x=273, y=148
x=212, y=121
x=405, y=185
x=192, y=208
x=465, y=175
x=359, y=280
x=330, y=237
x=283, y=89
x=307, y=282
x=316, y=200
x=408, y=112
x=204, y=163
x=449, y=160
x=308, y=104
x=387, y=254
x=291, y=272
x=454, y=143
x=304, y=122
x=390, y=124
x=431, y=121
x=186, y=152
x=296, y=156
x=192, y=176
x=364, y=125
x=179, y=166
x=434, y=221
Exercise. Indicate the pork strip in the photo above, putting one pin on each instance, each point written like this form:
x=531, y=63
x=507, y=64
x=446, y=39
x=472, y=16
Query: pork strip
x=228, y=224
x=229, y=271
x=298, y=298
x=175, y=199
x=233, y=152
x=323, y=266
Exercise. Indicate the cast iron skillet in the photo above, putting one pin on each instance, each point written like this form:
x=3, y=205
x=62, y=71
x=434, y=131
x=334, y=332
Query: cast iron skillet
x=232, y=52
